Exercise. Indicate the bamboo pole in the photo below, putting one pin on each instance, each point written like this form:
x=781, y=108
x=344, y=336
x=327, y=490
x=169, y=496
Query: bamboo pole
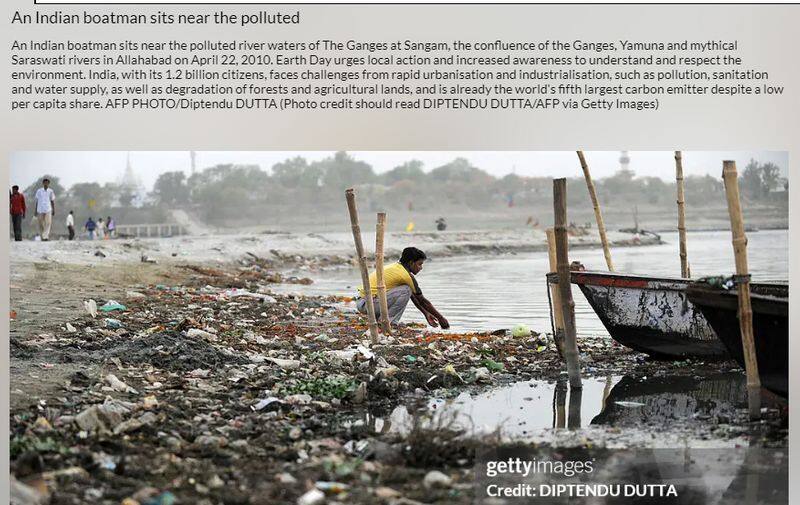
x=601, y=227
x=558, y=314
x=564, y=287
x=380, y=229
x=730, y=177
x=681, y=215
x=362, y=263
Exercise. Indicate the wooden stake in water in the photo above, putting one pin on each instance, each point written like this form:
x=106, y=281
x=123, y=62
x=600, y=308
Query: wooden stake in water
x=380, y=229
x=564, y=287
x=362, y=263
x=558, y=315
x=730, y=177
x=681, y=215
x=601, y=227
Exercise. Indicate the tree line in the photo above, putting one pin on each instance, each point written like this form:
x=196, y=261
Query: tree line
x=225, y=193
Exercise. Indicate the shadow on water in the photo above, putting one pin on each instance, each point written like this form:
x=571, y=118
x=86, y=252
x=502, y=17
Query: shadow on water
x=643, y=407
x=659, y=400
x=523, y=408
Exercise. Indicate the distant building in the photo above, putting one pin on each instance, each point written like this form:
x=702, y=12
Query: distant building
x=624, y=161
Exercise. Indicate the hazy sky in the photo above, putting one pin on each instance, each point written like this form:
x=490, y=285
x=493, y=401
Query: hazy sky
x=108, y=166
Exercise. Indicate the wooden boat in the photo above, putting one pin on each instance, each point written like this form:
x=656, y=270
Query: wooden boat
x=649, y=314
x=770, y=304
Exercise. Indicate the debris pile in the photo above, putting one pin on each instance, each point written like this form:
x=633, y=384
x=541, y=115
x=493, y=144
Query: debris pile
x=218, y=390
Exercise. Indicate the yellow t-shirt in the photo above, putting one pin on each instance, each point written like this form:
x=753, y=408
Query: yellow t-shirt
x=394, y=275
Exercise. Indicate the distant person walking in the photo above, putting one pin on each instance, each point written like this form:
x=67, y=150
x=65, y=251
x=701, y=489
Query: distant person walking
x=90, y=228
x=45, y=209
x=17, y=211
x=71, y=225
x=112, y=227
x=101, y=229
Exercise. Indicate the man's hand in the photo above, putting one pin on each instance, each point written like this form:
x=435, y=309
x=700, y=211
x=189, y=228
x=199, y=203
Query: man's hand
x=445, y=324
x=432, y=320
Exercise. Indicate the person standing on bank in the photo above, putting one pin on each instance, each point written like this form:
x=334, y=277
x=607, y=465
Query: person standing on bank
x=90, y=227
x=71, y=225
x=401, y=286
x=45, y=209
x=17, y=211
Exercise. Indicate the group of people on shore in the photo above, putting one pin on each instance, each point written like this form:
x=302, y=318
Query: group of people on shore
x=45, y=205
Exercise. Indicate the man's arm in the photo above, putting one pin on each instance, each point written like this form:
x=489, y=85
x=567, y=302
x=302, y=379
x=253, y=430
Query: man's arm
x=432, y=315
x=53, y=206
x=24, y=209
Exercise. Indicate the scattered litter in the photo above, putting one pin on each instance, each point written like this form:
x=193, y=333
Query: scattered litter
x=451, y=370
x=236, y=293
x=91, y=307
x=436, y=480
x=520, y=331
x=286, y=364
x=195, y=333
x=266, y=402
x=286, y=478
x=149, y=402
x=112, y=305
x=493, y=365
x=629, y=404
x=312, y=497
x=118, y=385
x=331, y=487
x=360, y=394
x=482, y=374
x=113, y=324
x=386, y=493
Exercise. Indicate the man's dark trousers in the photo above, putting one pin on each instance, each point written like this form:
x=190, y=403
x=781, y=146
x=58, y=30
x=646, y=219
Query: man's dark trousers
x=16, y=220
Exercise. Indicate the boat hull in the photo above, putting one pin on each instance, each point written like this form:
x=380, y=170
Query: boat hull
x=770, y=304
x=650, y=315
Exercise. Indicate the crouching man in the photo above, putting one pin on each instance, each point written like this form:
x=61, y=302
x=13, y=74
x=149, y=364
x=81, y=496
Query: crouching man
x=401, y=286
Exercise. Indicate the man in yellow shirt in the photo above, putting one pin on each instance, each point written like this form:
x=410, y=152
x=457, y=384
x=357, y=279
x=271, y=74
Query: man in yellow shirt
x=401, y=286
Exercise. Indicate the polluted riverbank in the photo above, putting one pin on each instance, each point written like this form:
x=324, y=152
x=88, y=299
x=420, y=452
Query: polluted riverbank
x=307, y=251
x=210, y=385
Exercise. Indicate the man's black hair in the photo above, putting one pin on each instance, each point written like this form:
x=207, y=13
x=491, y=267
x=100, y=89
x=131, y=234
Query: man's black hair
x=15, y=187
x=45, y=180
x=410, y=255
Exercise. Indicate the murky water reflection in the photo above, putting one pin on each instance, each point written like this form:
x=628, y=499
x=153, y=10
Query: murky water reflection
x=523, y=408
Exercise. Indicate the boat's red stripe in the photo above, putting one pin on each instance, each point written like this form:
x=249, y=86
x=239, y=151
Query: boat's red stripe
x=610, y=281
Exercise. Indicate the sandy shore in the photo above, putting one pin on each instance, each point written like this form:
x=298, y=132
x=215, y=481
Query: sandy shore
x=284, y=249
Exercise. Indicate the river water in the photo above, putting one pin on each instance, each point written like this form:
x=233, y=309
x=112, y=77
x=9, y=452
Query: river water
x=480, y=293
